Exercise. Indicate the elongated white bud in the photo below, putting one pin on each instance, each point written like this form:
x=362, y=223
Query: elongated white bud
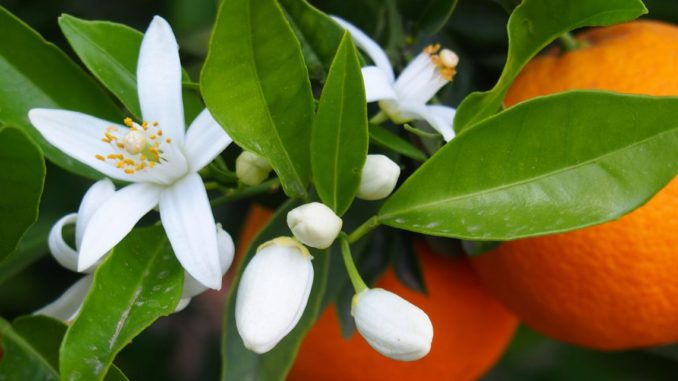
x=379, y=177
x=251, y=168
x=391, y=325
x=273, y=293
x=314, y=224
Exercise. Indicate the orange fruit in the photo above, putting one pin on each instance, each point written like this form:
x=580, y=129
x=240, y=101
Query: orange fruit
x=615, y=285
x=471, y=330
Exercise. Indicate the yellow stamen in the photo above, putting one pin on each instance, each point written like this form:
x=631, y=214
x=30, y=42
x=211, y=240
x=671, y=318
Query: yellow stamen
x=128, y=122
x=120, y=164
x=155, y=124
x=151, y=164
x=100, y=157
x=168, y=140
x=129, y=171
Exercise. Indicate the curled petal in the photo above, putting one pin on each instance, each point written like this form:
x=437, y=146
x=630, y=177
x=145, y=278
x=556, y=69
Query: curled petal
x=95, y=196
x=377, y=85
x=159, y=79
x=64, y=254
x=373, y=50
x=67, y=306
x=439, y=117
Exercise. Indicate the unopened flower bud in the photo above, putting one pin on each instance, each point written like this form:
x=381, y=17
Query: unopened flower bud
x=391, y=325
x=314, y=224
x=379, y=177
x=251, y=168
x=273, y=293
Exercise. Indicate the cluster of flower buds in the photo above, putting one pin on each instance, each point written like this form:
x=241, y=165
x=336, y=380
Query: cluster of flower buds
x=276, y=283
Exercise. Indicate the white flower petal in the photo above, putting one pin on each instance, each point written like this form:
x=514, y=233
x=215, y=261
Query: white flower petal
x=67, y=306
x=205, y=139
x=391, y=325
x=183, y=303
x=377, y=85
x=273, y=293
x=114, y=219
x=226, y=249
x=439, y=117
x=64, y=254
x=187, y=218
x=373, y=50
x=159, y=79
x=96, y=195
x=79, y=136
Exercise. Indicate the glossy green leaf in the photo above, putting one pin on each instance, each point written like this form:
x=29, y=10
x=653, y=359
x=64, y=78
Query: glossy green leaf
x=532, y=26
x=111, y=51
x=22, y=361
x=22, y=175
x=256, y=85
x=339, y=140
x=240, y=363
x=430, y=16
x=35, y=73
x=36, y=345
x=139, y=282
x=547, y=165
x=317, y=30
x=387, y=139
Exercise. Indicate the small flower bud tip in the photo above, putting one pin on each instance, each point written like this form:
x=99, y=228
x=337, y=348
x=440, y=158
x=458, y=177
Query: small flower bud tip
x=378, y=179
x=314, y=224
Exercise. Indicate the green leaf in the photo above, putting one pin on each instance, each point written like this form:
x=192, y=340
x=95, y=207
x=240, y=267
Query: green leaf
x=382, y=137
x=39, y=337
x=22, y=176
x=111, y=51
x=139, y=282
x=318, y=31
x=547, y=165
x=430, y=16
x=339, y=140
x=20, y=360
x=239, y=362
x=35, y=73
x=532, y=26
x=256, y=85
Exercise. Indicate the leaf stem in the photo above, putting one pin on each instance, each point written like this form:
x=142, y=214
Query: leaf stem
x=363, y=229
x=357, y=281
x=569, y=42
x=240, y=193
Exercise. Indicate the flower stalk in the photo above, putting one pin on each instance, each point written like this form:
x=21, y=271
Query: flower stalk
x=356, y=280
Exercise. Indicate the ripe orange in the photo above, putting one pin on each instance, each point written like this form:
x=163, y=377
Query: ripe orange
x=612, y=286
x=470, y=328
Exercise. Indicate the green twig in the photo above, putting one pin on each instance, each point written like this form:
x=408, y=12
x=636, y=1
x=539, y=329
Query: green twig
x=357, y=282
x=240, y=193
x=363, y=229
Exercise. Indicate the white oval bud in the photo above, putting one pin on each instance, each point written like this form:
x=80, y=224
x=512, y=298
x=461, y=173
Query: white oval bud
x=378, y=179
x=391, y=325
x=251, y=168
x=314, y=224
x=273, y=293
